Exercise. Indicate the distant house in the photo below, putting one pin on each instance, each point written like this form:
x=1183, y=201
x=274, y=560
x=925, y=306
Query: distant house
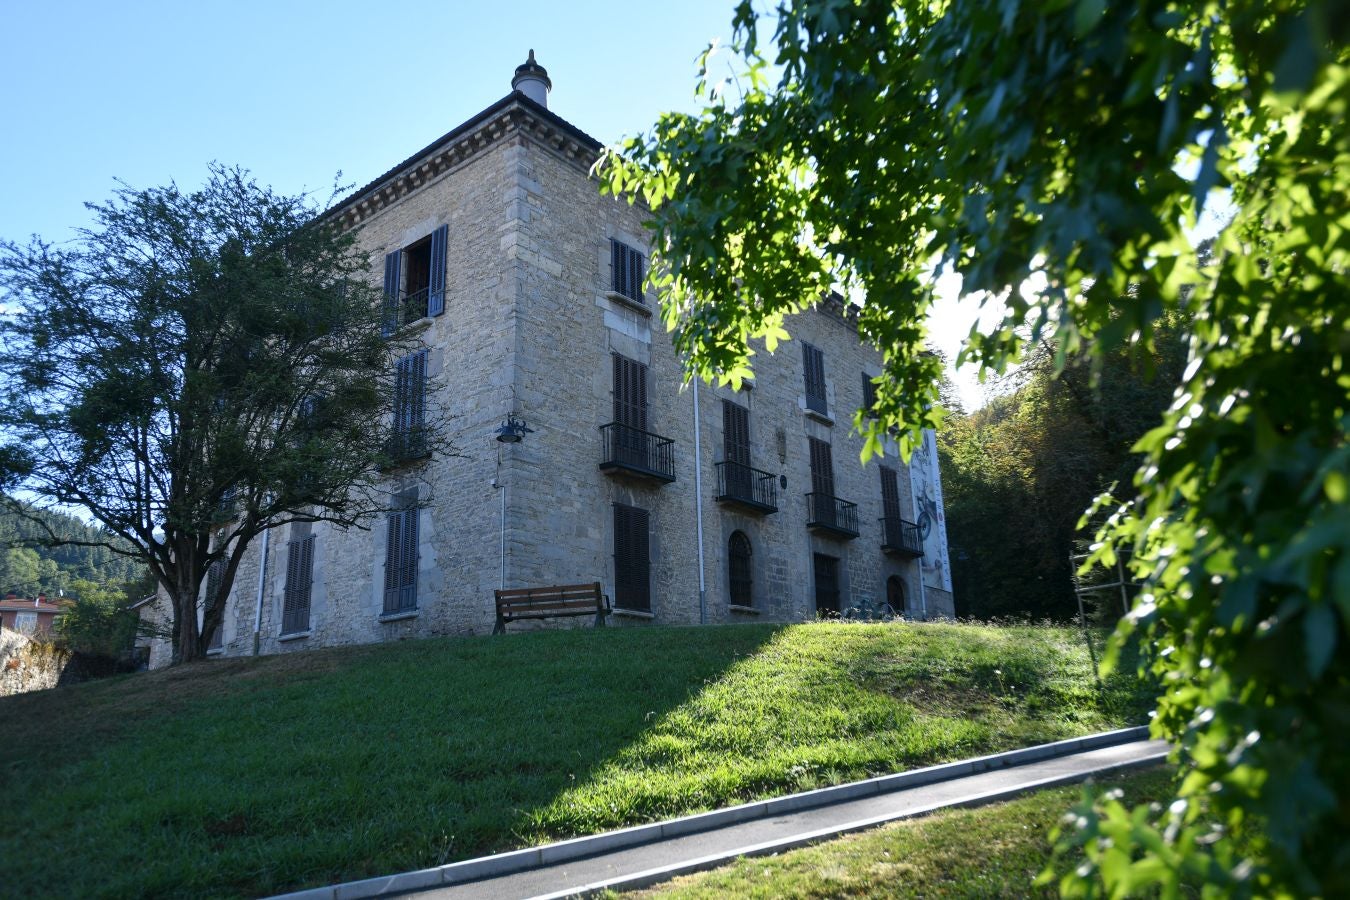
x=31, y=617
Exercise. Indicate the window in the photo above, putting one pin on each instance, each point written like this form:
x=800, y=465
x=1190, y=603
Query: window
x=214, y=576
x=400, y=557
x=632, y=564
x=407, y=438
x=736, y=433
x=895, y=594
x=890, y=494
x=299, y=580
x=630, y=393
x=822, y=508
x=626, y=266
x=827, y=585
x=813, y=364
x=869, y=394
x=26, y=622
x=414, y=281
x=822, y=467
x=739, y=575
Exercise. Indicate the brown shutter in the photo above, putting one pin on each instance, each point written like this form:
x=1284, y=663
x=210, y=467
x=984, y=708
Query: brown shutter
x=813, y=366
x=822, y=468
x=869, y=393
x=736, y=433
x=632, y=562
x=890, y=493
x=630, y=393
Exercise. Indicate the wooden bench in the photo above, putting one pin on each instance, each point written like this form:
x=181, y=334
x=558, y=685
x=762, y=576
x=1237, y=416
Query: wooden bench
x=562, y=600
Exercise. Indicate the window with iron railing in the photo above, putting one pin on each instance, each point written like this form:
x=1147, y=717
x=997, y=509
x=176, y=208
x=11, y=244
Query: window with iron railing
x=414, y=281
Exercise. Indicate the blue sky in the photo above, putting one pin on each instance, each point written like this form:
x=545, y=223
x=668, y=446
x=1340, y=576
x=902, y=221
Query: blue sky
x=297, y=91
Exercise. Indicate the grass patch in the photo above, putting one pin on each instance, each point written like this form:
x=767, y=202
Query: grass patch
x=993, y=851
x=254, y=776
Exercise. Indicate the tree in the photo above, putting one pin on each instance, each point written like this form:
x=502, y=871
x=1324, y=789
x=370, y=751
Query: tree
x=99, y=622
x=195, y=368
x=1078, y=141
x=1018, y=473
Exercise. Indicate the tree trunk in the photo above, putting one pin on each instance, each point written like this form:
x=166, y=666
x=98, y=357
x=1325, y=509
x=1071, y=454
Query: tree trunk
x=189, y=643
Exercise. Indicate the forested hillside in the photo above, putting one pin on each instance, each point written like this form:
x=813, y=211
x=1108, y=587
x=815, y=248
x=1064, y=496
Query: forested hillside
x=28, y=568
x=1019, y=473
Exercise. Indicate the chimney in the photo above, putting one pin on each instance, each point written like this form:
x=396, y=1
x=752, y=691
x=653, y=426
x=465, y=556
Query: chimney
x=532, y=80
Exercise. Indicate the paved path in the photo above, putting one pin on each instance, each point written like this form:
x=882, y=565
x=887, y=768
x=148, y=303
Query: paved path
x=650, y=863
x=647, y=854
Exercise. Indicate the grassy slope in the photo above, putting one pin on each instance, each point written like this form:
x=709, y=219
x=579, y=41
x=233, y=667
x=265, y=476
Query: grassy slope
x=994, y=851
x=258, y=775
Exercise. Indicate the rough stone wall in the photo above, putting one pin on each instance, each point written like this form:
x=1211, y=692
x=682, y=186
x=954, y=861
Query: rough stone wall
x=28, y=665
x=530, y=327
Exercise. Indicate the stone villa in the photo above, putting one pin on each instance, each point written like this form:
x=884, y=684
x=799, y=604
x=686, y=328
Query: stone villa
x=584, y=455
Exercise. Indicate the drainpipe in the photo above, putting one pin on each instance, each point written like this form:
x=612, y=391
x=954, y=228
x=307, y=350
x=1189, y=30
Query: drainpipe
x=262, y=583
x=501, y=489
x=698, y=511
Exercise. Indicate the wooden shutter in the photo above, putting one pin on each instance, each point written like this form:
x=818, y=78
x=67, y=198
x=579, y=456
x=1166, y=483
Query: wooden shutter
x=822, y=468
x=739, y=573
x=299, y=580
x=632, y=562
x=389, y=323
x=214, y=576
x=813, y=365
x=400, y=560
x=626, y=264
x=869, y=393
x=436, y=293
x=410, y=394
x=890, y=493
x=736, y=433
x=630, y=393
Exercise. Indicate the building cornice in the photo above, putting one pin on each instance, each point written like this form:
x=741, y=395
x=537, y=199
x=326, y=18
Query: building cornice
x=514, y=115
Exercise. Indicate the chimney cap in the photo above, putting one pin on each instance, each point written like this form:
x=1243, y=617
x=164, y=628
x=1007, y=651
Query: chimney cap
x=531, y=69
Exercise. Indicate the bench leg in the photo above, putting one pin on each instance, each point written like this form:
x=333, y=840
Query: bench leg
x=600, y=619
x=500, y=627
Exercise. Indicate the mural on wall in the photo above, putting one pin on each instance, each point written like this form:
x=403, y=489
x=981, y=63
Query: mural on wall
x=926, y=488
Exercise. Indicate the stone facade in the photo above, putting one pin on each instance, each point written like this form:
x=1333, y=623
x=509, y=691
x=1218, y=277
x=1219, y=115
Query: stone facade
x=531, y=326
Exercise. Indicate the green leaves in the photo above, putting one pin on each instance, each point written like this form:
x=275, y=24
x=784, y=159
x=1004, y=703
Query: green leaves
x=1082, y=140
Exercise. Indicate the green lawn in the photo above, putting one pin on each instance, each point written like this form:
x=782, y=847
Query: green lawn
x=992, y=851
x=253, y=776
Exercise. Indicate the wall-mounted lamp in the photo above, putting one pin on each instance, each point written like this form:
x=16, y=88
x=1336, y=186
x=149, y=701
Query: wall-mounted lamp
x=513, y=430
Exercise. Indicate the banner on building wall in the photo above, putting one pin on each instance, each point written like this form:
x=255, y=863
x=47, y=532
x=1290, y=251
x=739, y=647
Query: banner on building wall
x=926, y=488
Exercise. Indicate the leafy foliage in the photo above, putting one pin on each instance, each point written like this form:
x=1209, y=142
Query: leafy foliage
x=99, y=622
x=197, y=367
x=1018, y=473
x=1078, y=141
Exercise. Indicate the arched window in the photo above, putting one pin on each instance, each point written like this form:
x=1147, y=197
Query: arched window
x=895, y=594
x=739, y=571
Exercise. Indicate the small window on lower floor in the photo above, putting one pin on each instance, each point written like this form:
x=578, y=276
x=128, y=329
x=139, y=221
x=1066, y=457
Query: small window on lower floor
x=299, y=581
x=739, y=573
x=632, y=561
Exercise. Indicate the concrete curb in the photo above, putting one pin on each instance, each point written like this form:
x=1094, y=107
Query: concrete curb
x=640, y=880
x=576, y=848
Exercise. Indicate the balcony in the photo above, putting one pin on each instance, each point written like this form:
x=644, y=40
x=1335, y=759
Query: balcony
x=831, y=516
x=900, y=538
x=406, y=310
x=406, y=446
x=631, y=451
x=746, y=488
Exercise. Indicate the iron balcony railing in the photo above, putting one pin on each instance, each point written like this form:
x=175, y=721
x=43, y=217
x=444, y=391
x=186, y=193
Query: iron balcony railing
x=747, y=487
x=830, y=514
x=816, y=403
x=900, y=537
x=413, y=306
x=635, y=451
x=406, y=445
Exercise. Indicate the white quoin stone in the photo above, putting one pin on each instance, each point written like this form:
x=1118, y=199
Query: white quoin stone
x=532, y=80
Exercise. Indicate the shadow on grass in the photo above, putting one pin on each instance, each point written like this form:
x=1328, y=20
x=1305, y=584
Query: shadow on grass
x=246, y=777
x=828, y=703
